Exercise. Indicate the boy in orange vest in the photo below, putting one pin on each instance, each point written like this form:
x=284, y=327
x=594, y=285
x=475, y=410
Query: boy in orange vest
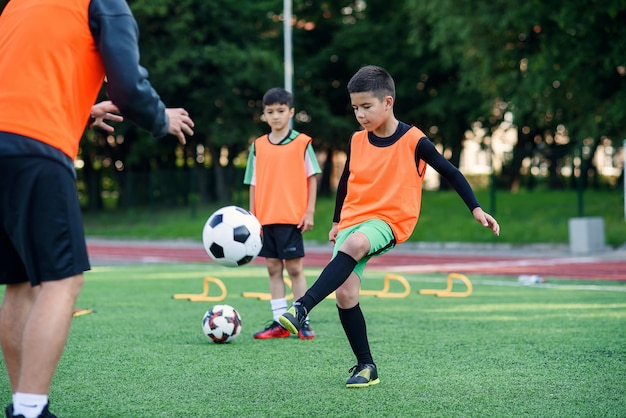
x=281, y=172
x=377, y=207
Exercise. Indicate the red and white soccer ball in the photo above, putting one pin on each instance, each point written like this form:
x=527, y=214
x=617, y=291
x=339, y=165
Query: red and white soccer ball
x=221, y=324
x=232, y=236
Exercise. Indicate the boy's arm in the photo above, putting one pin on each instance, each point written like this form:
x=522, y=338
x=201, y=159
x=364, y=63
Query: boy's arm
x=307, y=221
x=486, y=220
x=342, y=190
x=248, y=176
x=342, y=186
x=252, y=187
x=427, y=152
x=332, y=234
x=312, y=170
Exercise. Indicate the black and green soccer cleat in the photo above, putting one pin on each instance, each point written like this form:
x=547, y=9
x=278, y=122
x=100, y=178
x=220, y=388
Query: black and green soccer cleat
x=45, y=413
x=294, y=318
x=363, y=375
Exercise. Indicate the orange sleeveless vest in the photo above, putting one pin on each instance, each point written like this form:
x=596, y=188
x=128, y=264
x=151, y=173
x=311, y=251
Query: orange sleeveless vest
x=50, y=71
x=281, y=190
x=384, y=184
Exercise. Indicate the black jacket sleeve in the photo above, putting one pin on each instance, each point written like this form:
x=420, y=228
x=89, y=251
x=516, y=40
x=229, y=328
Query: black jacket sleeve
x=116, y=34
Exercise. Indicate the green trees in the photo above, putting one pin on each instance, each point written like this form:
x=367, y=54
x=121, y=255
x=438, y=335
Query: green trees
x=559, y=68
x=556, y=69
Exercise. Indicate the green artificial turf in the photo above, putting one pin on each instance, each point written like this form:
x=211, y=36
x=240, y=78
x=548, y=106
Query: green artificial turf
x=505, y=351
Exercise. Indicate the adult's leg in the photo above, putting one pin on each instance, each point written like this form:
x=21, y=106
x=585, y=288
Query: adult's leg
x=16, y=307
x=45, y=333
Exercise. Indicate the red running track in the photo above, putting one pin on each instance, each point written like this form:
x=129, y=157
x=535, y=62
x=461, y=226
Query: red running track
x=103, y=252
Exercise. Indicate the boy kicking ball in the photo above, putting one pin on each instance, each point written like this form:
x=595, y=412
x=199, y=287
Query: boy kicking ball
x=377, y=206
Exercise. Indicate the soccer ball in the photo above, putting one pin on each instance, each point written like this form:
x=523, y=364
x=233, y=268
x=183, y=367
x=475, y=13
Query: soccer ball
x=221, y=324
x=232, y=236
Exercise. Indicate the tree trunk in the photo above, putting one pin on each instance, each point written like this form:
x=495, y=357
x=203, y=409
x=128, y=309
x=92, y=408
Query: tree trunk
x=510, y=177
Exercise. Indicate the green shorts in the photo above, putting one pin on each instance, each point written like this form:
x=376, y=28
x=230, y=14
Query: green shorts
x=379, y=235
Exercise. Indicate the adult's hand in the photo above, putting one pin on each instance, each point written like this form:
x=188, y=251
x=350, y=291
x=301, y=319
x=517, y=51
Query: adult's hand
x=102, y=111
x=180, y=123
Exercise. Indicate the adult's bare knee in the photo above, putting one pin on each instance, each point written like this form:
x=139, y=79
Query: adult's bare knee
x=70, y=286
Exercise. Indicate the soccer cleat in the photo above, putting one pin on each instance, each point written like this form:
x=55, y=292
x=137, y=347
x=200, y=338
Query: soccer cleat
x=306, y=333
x=45, y=413
x=294, y=318
x=273, y=330
x=363, y=375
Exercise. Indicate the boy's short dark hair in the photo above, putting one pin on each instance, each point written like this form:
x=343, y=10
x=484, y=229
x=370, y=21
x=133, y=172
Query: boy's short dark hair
x=372, y=79
x=277, y=95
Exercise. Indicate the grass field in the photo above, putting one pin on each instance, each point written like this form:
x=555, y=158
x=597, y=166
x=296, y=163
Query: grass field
x=506, y=351
x=525, y=217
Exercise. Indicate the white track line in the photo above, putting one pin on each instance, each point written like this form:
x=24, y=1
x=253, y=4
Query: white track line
x=490, y=265
x=553, y=286
x=514, y=283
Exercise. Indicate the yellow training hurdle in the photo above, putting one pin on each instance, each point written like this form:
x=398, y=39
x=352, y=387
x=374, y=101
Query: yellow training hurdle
x=447, y=292
x=384, y=293
x=204, y=296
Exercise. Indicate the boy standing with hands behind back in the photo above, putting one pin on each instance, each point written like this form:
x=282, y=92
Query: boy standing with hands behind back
x=281, y=172
x=378, y=203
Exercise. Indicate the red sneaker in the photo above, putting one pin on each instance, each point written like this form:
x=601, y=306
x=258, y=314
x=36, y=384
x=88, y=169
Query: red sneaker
x=274, y=330
x=306, y=333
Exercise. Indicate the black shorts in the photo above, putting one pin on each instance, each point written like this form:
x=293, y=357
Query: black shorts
x=282, y=241
x=41, y=230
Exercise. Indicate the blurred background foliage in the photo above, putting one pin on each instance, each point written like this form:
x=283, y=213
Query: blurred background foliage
x=553, y=71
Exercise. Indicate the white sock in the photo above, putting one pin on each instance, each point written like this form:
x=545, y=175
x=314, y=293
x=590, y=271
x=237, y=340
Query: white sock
x=29, y=404
x=279, y=307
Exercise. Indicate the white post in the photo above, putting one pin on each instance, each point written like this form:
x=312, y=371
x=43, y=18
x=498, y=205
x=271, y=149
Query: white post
x=287, y=40
x=287, y=16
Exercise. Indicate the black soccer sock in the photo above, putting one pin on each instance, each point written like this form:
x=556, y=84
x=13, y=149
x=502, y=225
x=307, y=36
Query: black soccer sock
x=334, y=274
x=353, y=324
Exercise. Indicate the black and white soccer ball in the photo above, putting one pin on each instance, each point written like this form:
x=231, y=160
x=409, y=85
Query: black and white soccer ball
x=232, y=236
x=221, y=324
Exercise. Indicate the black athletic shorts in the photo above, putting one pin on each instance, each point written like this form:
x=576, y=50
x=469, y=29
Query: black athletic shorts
x=282, y=241
x=41, y=230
